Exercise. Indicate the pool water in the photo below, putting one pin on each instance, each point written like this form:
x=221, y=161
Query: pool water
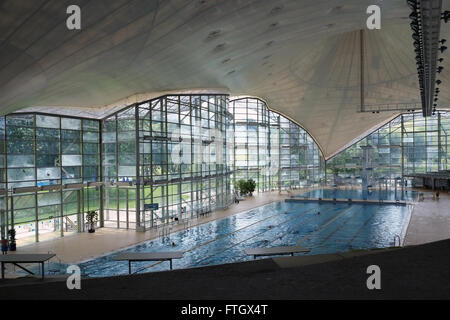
x=359, y=194
x=338, y=228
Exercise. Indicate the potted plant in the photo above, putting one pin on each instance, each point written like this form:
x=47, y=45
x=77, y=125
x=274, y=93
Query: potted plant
x=242, y=187
x=91, y=219
x=12, y=239
x=246, y=187
x=251, y=185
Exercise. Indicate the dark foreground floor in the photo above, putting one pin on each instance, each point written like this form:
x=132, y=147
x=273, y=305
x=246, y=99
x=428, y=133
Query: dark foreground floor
x=420, y=272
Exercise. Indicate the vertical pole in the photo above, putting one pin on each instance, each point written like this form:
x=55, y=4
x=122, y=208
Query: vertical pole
x=36, y=211
x=117, y=166
x=150, y=166
x=6, y=184
x=37, y=216
x=61, y=212
x=361, y=36
x=403, y=156
x=279, y=153
x=6, y=212
x=152, y=223
x=440, y=167
x=193, y=166
x=258, y=177
x=138, y=176
x=12, y=209
x=82, y=209
x=126, y=199
x=118, y=206
x=234, y=150
x=426, y=120
x=79, y=214
x=180, y=173
x=166, y=164
x=100, y=178
x=395, y=193
x=414, y=143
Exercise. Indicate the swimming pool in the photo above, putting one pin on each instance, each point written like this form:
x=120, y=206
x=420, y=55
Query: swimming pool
x=338, y=228
x=359, y=194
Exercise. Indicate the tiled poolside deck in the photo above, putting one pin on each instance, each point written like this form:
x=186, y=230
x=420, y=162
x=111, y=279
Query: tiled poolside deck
x=84, y=246
x=430, y=220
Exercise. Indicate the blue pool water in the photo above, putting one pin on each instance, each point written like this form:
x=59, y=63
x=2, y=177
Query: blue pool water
x=338, y=228
x=359, y=194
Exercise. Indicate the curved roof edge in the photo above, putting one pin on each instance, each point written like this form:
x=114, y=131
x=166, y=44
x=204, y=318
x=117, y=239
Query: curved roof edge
x=233, y=98
x=101, y=112
x=373, y=129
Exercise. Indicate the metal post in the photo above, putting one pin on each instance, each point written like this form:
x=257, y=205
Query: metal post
x=101, y=179
x=61, y=213
x=37, y=216
x=36, y=221
x=79, y=214
x=12, y=210
x=361, y=35
x=127, y=208
x=439, y=142
x=279, y=154
x=82, y=209
x=402, y=129
x=118, y=205
x=138, y=176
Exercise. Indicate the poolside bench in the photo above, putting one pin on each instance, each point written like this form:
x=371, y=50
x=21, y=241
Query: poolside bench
x=274, y=251
x=15, y=259
x=148, y=256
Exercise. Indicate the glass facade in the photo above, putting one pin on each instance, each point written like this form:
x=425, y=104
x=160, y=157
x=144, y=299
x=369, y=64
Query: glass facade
x=408, y=144
x=170, y=151
x=272, y=150
x=177, y=157
x=40, y=154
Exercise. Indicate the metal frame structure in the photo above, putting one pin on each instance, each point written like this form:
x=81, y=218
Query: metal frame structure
x=157, y=127
x=406, y=145
x=49, y=173
x=271, y=149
